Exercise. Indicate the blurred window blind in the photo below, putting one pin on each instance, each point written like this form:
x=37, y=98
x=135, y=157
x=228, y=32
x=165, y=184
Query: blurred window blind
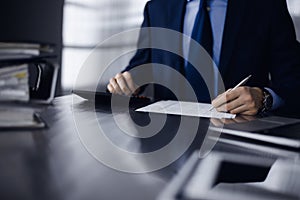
x=89, y=22
x=294, y=9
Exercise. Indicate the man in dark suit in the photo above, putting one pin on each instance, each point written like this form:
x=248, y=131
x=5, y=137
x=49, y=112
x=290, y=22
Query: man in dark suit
x=248, y=37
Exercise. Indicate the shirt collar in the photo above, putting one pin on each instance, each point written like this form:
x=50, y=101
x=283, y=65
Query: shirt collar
x=198, y=0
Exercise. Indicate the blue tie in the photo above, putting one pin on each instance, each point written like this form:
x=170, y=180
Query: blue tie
x=202, y=33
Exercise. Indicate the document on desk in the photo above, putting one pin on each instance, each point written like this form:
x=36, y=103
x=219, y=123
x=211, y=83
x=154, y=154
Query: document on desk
x=186, y=109
x=11, y=118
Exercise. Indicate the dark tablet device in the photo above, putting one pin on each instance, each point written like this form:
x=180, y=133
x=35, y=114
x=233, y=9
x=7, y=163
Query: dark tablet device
x=106, y=98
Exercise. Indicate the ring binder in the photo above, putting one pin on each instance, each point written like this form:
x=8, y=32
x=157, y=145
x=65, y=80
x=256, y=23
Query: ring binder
x=42, y=71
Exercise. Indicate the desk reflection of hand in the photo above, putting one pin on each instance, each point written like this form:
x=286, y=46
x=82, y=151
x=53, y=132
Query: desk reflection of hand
x=237, y=120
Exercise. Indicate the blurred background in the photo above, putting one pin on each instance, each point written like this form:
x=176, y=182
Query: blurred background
x=88, y=22
x=77, y=26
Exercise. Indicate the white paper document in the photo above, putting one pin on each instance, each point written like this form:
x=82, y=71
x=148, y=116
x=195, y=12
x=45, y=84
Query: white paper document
x=186, y=109
x=11, y=117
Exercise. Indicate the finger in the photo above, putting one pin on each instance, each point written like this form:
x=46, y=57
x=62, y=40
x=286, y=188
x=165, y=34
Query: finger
x=227, y=96
x=249, y=99
x=225, y=121
x=227, y=107
x=115, y=86
x=248, y=118
x=220, y=95
x=229, y=121
x=123, y=85
x=240, y=119
x=220, y=100
x=110, y=88
x=239, y=110
x=250, y=112
x=216, y=122
x=131, y=85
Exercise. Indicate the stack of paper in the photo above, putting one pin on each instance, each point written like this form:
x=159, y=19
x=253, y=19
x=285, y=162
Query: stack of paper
x=12, y=117
x=14, y=84
x=10, y=51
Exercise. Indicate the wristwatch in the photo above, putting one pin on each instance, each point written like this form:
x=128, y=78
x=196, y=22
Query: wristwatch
x=267, y=102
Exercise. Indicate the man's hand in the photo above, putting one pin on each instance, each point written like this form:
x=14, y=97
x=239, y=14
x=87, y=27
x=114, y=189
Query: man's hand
x=122, y=84
x=242, y=100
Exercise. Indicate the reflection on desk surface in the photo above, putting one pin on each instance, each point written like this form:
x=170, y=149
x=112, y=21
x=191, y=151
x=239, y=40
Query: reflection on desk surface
x=251, y=123
x=273, y=129
x=234, y=177
x=53, y=163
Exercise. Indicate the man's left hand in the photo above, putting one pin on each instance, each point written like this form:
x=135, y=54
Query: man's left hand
x=242, y=100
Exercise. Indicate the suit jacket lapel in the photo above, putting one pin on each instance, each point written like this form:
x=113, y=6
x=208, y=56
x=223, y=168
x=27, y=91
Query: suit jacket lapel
x=176, y=14
x=234, y=16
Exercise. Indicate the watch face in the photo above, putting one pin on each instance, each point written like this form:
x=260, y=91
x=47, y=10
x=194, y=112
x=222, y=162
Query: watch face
x=269, y=101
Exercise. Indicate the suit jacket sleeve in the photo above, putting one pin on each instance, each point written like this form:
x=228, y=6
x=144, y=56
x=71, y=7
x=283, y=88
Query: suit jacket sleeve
x=284, y=57
x=143, y=55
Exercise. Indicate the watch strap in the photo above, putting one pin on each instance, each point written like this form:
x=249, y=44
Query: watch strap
x=267, y=101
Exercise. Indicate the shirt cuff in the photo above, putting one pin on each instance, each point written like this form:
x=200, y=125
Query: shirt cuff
x=277, y=100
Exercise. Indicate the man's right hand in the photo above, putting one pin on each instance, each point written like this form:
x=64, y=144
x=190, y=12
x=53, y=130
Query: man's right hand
x=122, y=84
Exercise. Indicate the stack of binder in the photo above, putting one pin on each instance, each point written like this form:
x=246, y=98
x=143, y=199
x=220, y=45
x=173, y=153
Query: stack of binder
x=28, y=73
x=16, y=51
x=21, y=70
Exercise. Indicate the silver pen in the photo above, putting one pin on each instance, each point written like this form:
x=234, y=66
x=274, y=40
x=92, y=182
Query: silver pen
x=241, y=83
x=238, y=85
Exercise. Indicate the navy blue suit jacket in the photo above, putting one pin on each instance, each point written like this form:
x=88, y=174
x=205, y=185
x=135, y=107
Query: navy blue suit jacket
x=259, y=39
